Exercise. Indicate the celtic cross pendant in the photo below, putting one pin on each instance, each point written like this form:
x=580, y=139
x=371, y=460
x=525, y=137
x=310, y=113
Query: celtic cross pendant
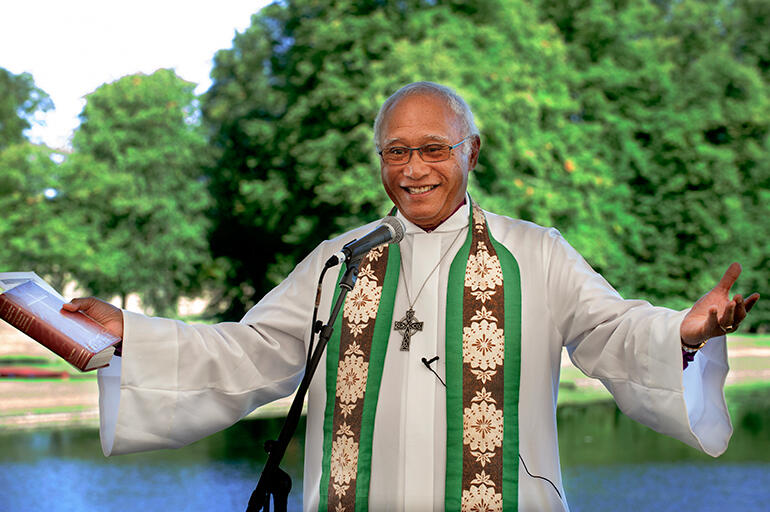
x=408, y=326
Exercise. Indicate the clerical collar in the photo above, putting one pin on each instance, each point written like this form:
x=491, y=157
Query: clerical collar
x=457, y=220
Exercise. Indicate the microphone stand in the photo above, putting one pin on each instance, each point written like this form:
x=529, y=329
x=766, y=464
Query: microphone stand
x=274, y=481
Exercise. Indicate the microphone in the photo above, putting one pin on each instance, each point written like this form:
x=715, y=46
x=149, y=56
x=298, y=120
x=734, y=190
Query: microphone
x=428, y=363
x=391, y=230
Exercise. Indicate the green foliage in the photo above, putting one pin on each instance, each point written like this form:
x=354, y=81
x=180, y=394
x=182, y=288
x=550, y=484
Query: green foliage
x=292, y=104
x=678, y=92
x=639, y=129
x=20, y=99
x=140, y=150
x=39, y=230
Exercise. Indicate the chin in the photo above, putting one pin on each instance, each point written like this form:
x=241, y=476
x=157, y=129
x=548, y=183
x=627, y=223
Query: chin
x=418, y=214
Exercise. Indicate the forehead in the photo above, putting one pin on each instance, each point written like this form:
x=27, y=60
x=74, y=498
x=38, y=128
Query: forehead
x=418, y=118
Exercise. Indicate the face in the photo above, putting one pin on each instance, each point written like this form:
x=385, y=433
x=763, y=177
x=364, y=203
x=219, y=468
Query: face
x=426, y=193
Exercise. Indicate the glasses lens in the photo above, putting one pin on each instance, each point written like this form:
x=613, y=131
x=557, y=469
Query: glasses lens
x=435, y=152
x=396, y=155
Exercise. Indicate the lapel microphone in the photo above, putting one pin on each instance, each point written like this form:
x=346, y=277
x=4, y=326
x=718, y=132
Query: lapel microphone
x=428, y=362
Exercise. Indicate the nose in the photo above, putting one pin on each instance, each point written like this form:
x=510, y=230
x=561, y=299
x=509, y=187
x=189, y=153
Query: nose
x=416, y=167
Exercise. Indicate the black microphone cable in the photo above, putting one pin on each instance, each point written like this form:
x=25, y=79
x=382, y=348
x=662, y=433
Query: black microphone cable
x=427, y=363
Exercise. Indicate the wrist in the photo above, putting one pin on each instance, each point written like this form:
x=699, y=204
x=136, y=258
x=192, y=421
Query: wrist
x=692, y=348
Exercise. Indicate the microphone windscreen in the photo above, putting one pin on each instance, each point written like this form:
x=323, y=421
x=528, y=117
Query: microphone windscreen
x=396, y=227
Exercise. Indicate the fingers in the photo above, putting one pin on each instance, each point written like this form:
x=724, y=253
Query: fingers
x=712, y=324
x=730, y=276
x=749, y=303
x=92, y=307
x=742, y=307
x=727, y=321
x=739, y=311
x=79, y=304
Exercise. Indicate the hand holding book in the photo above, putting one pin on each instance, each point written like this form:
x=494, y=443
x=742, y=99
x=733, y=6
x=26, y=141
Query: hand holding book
x=110, y=317
x=67, y=330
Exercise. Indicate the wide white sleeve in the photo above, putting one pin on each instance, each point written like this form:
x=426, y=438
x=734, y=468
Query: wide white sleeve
x=634, y=349
x=176, y=383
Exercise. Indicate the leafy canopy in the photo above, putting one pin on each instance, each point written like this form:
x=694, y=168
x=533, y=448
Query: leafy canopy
x=20, y=100
x=141, y=149
x=292, y=104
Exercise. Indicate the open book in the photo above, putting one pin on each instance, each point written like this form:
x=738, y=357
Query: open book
x=34, y=308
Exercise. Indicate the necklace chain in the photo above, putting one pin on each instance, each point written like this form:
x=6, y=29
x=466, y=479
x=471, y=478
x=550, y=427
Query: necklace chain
x=406, y=286
x=409, y=325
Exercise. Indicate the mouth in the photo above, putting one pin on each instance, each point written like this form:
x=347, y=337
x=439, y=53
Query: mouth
x=419, y=190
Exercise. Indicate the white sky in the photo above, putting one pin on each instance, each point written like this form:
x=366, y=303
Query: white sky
x=71, y=47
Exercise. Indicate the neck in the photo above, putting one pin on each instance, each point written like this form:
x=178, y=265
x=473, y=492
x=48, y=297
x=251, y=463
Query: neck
x=430, y=228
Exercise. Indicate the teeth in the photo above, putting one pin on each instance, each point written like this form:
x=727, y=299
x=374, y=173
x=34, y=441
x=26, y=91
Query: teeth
x=420, y=190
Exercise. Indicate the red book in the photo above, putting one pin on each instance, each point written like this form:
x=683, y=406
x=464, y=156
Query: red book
x=75, y=337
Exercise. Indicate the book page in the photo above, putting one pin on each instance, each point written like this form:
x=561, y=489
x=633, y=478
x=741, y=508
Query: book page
x=9, y=280
x=75, y=325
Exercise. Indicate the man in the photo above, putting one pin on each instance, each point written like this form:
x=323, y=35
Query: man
x=439, y=389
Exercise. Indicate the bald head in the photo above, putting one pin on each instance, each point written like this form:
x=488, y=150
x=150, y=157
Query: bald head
x=453, y=100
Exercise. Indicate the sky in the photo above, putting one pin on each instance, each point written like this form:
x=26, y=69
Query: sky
x=72, y=47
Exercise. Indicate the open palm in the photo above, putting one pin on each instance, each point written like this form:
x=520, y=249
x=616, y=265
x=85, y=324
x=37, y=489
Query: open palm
x=715, y=313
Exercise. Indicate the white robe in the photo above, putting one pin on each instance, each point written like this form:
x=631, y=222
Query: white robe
x=177, y=383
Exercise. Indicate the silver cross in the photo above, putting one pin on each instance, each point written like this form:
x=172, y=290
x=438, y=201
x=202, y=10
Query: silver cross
x=408, y=326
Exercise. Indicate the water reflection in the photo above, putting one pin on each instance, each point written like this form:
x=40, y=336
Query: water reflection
x=668, y=487
x=64, y=470
x=609, y=463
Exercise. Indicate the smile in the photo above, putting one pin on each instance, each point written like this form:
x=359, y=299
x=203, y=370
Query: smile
x=420, y=190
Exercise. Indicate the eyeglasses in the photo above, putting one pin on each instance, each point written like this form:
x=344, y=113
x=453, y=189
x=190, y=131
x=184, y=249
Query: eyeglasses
x=433, y=152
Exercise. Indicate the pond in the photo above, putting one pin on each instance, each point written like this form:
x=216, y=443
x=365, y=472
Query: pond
x=609, y=463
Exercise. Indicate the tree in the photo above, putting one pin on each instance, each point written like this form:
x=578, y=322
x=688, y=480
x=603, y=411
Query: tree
x=291, y=108
x=39, y=231
x=141, y=149
x=20, y=100
x=679, y=91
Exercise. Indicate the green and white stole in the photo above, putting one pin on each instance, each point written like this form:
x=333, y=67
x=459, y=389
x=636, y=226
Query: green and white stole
x=483, y=355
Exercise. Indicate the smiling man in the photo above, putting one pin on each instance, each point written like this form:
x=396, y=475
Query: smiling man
x=429, y=188
x=440, y=382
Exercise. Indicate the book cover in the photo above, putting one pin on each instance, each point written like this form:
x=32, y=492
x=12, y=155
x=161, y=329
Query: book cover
x=74, y=337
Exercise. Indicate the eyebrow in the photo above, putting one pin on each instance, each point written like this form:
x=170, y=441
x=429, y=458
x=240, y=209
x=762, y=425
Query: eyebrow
x=426, y=138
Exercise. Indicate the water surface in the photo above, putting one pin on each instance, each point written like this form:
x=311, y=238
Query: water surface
x=609, y=463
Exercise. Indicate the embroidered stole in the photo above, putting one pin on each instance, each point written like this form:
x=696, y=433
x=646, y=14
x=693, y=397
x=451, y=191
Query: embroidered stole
x=483, y=340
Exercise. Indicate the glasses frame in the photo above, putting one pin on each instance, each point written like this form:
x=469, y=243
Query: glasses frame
x=419, y=150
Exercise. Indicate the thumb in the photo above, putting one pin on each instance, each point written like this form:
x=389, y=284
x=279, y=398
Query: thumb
x=729, y=277
x=79, y=304
x=105, y=313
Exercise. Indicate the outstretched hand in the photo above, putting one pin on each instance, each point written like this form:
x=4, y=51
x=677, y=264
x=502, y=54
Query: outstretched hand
x=105, y=313
x=715, y=314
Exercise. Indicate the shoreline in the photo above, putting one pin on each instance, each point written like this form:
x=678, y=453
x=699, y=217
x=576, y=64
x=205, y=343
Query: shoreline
x=89, y=417
x=29, y=404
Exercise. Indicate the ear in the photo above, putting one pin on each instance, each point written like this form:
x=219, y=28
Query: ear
x=473, y=158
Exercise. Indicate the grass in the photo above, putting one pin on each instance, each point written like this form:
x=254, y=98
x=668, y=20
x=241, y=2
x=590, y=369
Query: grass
x=569, y=394
x=54, y=364
x=574, y=387
x=752, y=394
x=753, y=340
x=49, y=410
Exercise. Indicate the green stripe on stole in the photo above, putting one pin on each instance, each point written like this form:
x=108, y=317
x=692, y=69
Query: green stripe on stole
x=512, y=280
x=382, y=328
x=454, y=374
x=454, y=378
x=455, y=447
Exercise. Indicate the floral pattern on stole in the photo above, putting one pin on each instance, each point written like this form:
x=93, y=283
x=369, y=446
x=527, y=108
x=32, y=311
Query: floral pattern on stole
x=483, y=354
x=358, y=316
